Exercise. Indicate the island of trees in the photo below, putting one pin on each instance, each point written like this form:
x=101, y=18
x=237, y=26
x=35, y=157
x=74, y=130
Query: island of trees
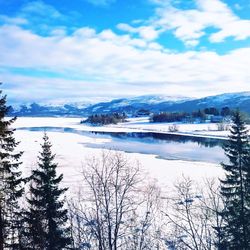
x=105, y=119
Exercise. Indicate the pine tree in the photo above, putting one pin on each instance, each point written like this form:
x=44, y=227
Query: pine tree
x=10, y=181
x=235, y=185
x=46, y=216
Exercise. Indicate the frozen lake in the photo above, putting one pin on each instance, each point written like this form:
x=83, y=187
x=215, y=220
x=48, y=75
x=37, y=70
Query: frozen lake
x=163, y=158
x=166, y=146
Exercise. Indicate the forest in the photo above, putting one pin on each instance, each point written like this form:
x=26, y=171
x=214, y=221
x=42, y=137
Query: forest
x=212, y=114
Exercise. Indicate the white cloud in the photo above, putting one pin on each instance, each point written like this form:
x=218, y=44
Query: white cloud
x=40, y=8
x=240, y=30
x=107, y=64
x=189, y=25
x=14, y=20
x=148, y=33
x=126, y=27
x=38, y=16
x=101, y=64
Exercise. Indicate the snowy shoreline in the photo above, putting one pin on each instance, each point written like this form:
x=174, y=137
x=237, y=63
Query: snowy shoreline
x=71, y=153
x=137, y=125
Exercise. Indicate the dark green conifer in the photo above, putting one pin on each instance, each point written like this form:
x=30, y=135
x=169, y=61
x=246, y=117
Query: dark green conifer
x=235, y=185
x=11, y=188
x=47, y=217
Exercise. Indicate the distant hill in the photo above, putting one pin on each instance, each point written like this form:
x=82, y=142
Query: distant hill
x=35, y=109
x=239, y=100
x=153, y=103
x=132, y=105
x=165, y=103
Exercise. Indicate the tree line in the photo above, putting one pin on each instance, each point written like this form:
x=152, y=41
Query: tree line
x=117, y=208
x=185, y=116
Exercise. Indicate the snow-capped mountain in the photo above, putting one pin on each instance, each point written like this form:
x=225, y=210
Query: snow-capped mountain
x=132, y=105
x=239, y=100
x=152, y=103
x=35, y=109
x=154, y=99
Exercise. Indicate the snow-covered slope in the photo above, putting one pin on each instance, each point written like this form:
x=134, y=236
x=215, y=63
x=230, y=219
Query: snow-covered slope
x=132, y=105
x=239, y=100
x=167, y=103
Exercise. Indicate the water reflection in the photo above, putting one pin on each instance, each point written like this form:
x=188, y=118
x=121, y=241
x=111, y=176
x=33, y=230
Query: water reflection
x=168, y=146
x=163, y=138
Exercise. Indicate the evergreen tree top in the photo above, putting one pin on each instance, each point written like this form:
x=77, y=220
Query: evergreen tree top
x=46, y=202
x=11, y=181
x=235, y=186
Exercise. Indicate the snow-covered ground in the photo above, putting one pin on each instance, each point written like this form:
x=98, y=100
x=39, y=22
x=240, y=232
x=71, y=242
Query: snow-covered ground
x=63, y=122
x=133, y=125
x=72, y=152
x=192, y=129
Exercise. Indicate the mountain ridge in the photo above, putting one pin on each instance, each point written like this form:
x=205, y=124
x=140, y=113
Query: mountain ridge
x=153, y=103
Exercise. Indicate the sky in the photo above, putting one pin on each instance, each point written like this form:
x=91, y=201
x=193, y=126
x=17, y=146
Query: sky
x=90, y=50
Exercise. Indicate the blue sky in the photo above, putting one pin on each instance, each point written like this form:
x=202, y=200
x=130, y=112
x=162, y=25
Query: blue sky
x=90, y=50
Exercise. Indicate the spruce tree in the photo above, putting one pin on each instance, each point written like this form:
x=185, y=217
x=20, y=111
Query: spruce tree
x=235, y=186
x=46, y=216
x=10, y=181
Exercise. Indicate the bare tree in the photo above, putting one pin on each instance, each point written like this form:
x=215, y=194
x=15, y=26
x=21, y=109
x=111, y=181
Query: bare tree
x=115, y=209
x=110, y=198
x=146, y=225
x=212, y=201
x=81, y=226
x=194, y=216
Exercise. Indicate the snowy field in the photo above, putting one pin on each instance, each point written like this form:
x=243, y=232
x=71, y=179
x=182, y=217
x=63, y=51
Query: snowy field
x=193, y=129
x=133, y=125
x=72, y=152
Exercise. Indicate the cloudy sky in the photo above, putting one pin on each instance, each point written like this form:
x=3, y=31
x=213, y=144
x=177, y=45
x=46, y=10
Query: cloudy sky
x=76, y=50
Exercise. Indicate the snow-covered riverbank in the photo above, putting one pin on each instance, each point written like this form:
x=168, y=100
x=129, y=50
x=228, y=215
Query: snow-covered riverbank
x=209, y=130
x=72, y=152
